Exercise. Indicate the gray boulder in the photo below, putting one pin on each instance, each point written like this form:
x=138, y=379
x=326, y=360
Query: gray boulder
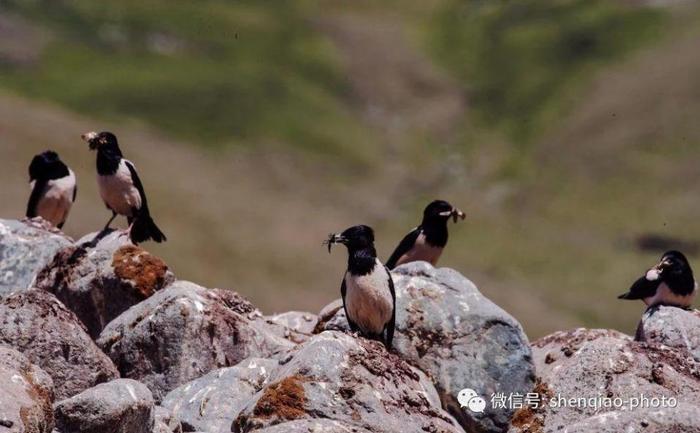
x=313, y=426
x=165, y=421
x=25, y=248
x=26, y=395
x=100, y=277
x=299, y=321
x=605, y=364
x=340, y=381
x=120, y=406
x=448, y=329
x=673, y=327
x=680, y=419
x=38, y=325
x=213, y=401
x=186, y=331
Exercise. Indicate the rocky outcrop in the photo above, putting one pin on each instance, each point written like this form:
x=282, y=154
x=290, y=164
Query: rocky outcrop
x=447, y=328
x=298, y=321
x=218, y=365
x=101, y=276
x=25, y=248
x=186, y=331
x=120, y=406
x=165, y=421
x=613, y=374
x=26, y=394
x=213, y=401
x=340, y=380
x=672, y=327
x=313, y=425
x=35, y=323
x=680, y=419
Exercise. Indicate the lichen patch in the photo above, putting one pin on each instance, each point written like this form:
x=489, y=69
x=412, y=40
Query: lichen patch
x=146, y=271
x=285, y=400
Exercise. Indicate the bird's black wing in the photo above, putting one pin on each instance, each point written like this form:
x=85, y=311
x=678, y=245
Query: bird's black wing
x=139, y=186
x=75, y=192
x=642, y=288
x=343, y=291
x=391, y=326
x=404, y=246
x=37, y=191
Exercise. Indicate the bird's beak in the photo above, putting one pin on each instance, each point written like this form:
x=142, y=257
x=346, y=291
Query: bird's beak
x=455, y=214
x=663, y=264
x=334, y=238
x=90, y=138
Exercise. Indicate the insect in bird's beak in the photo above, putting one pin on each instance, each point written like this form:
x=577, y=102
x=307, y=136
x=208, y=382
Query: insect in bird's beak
x=457, y=214
x=454, y=214
x=333, y=238
x=90, y=137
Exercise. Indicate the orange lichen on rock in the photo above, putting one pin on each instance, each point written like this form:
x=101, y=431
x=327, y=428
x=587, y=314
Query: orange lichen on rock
x=285, y=399
x=530, y=419
x=145, y=270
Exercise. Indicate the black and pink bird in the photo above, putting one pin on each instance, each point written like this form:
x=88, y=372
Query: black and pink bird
x=427, y=241
x=121, y=189
x=367, y=289
x=54, y=189
x=670, y=282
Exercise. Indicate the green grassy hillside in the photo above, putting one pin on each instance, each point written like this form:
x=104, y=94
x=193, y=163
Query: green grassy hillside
x=566, y=130
x=215, y=72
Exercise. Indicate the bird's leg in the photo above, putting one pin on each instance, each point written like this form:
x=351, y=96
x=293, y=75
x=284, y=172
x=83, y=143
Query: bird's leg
x=127, y=231
x=109, y=223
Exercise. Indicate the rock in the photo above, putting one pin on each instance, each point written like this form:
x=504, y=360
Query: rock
x=99, y=280
x=25, y=248
x=45, y=331
x=299, y=321
x=681, y=419
x=213, y=401
x=605, y=364
x=186, y=331
x=329, y=313
x=165, y=421
x=120, y=406
x=26, y=397
x=448, y=329
x=338, y=380
x=673, y=327
x=313, y=426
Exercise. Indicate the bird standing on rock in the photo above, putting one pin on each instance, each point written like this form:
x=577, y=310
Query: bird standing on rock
x=669, y=283
x=367, y=289
x=426, y=241
x=121, y=188
x=54, y=188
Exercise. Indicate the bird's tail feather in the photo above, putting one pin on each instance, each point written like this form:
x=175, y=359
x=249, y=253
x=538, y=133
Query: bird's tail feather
x=144, y=229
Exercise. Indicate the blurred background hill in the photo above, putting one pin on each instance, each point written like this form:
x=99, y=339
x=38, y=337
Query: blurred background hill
x=566, y=129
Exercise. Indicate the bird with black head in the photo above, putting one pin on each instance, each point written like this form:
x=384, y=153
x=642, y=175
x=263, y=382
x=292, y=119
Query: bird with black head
x=670, y=282
x=54, y=189
x=121, y=189
x=367, y=288
x=427, y=241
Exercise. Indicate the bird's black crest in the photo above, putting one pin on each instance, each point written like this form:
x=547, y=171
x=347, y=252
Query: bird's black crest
x=108, y=152
x=436, y=207
x=361, y=234
x=47, y=165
